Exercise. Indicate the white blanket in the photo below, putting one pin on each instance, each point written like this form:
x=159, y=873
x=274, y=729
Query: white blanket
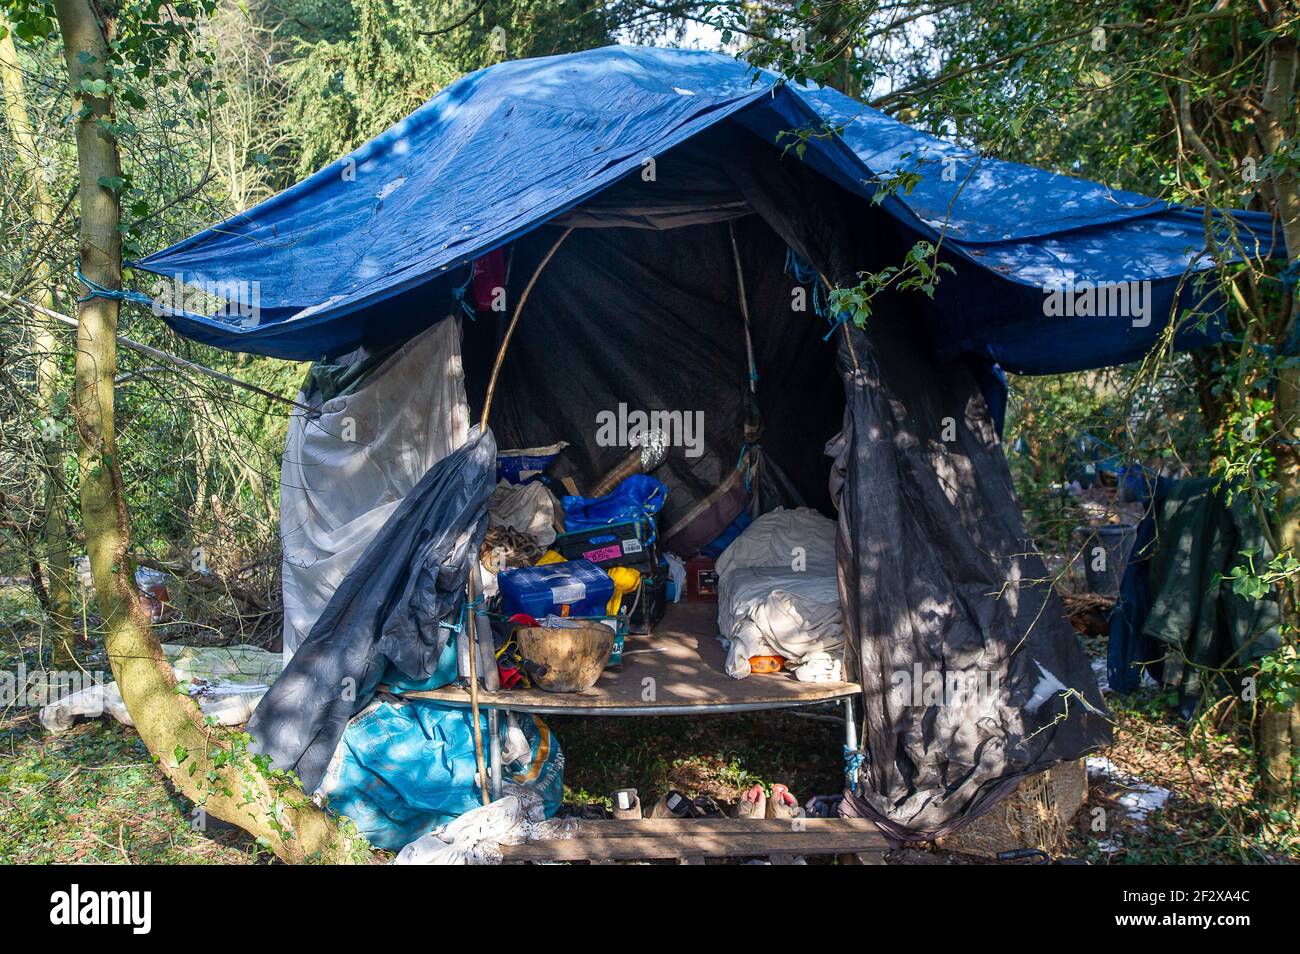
x=777, y=591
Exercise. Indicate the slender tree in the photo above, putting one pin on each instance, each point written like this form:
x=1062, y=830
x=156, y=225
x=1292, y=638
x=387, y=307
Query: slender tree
x=49, y=348
x=210, y=766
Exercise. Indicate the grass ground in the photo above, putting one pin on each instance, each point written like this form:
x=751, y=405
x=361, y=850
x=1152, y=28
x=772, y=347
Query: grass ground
x=93, y=795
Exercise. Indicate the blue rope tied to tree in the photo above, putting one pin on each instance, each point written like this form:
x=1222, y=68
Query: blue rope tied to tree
x=839, y=319
x=477, y=603
x=805, y=274
x=743, y=460
x=114, y=294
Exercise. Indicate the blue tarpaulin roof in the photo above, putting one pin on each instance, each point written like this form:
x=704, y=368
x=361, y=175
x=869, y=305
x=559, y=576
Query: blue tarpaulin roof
x=504, y=150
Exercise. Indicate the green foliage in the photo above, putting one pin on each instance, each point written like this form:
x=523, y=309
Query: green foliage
x=393, y=58
x=1279, y=678
x=920, y=271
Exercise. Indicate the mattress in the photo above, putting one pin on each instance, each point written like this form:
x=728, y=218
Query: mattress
x=778, y=593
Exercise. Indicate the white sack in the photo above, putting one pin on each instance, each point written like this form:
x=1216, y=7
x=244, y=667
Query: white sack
x=345, y=472
x=476, y=837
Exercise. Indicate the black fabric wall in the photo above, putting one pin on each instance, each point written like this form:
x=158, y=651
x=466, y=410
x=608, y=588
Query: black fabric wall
x=652, y=319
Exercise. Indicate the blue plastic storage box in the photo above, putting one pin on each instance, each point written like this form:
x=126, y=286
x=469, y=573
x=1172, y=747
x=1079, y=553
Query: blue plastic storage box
x=541, y=590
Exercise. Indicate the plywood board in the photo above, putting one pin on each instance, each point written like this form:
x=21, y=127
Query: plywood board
x=676, y=669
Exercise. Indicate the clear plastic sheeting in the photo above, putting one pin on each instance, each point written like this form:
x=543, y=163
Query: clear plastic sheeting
x=345, y=471
x=476, y=837
x=227, y=682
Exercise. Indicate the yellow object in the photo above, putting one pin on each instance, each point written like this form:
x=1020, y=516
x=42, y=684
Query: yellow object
x=549, y=557
x=625, y=580
x=766, y=664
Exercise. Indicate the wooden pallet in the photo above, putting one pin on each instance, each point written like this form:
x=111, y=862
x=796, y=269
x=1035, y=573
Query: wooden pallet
x=691, y=840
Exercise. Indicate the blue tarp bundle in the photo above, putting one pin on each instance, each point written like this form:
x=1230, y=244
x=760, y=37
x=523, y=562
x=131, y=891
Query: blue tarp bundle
x=637, y=499
x=504, y=150
x=407, y=766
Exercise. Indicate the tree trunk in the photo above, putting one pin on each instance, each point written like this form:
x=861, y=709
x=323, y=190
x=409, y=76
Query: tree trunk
x=211, y=768
x=58, y=559
x=1279, y=745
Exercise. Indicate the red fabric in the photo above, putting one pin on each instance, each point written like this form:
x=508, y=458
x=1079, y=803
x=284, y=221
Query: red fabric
x=489, y=275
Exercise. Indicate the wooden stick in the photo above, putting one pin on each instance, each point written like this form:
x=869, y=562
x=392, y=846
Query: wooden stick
x=505, y=342
x=744, y=306
x=471, y=589
x=160, y=355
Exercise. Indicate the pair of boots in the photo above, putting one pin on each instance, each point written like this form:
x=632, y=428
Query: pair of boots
x=756, y=803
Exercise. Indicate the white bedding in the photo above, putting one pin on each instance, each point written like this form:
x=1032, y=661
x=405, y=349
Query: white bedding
x=777, y=592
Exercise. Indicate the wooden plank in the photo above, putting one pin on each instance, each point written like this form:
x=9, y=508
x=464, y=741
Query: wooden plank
x=690, y=845
x=640, y=827
x=680, y=665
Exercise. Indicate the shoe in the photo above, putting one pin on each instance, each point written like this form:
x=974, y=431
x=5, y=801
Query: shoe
x=782, y=804
x=673, y=805
x=753, y=804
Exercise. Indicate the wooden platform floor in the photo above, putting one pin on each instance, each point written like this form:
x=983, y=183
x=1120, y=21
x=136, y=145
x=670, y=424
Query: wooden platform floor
x=676, y=670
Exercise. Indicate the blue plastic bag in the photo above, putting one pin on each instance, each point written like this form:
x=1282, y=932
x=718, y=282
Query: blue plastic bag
x=636, y=499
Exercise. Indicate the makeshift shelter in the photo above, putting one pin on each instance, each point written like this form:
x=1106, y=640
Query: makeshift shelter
x=660, y=216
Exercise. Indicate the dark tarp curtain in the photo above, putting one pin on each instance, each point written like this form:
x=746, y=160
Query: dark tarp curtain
x=1177, y=617
x=1196, y=621
x=388, y=609
x=937, y=567
x=939, y=575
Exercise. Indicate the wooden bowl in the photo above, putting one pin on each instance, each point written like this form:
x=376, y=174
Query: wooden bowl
x=574, y=657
